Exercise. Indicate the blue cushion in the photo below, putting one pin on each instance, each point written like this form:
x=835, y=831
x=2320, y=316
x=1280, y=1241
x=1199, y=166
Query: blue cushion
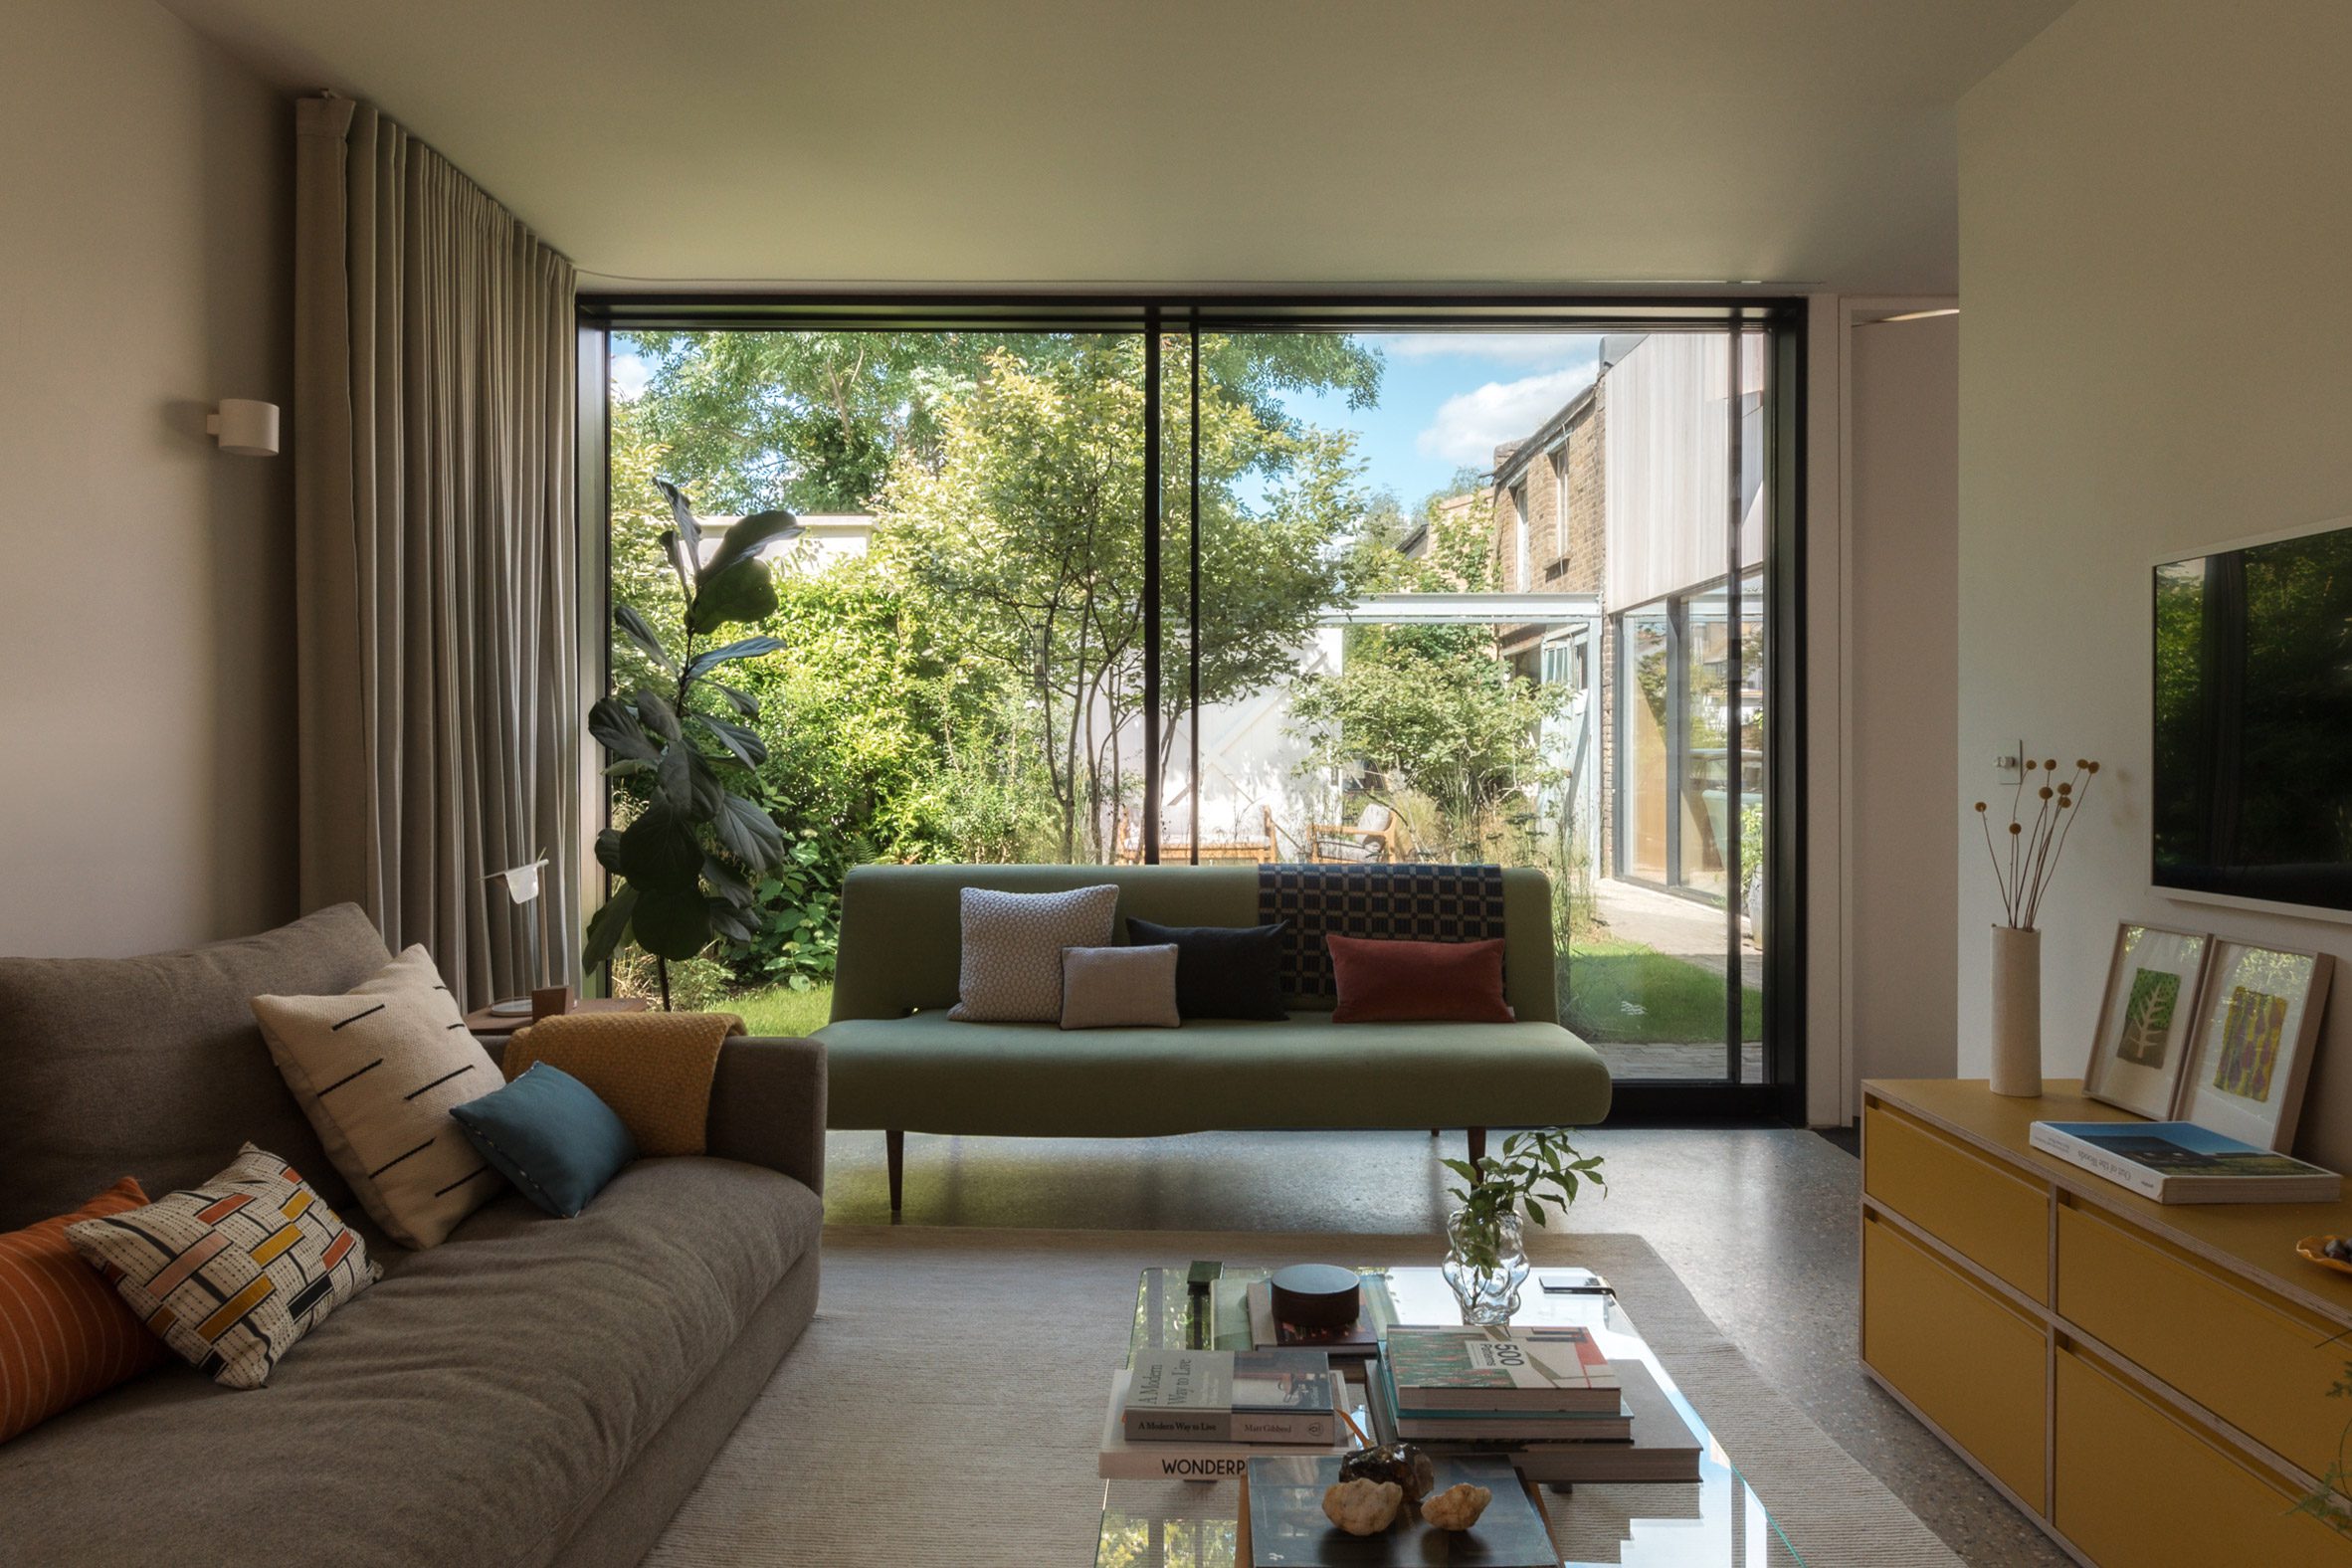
x=550, y=1135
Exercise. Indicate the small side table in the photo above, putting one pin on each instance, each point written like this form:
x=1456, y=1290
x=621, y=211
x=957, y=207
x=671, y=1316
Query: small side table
x=497, y=1026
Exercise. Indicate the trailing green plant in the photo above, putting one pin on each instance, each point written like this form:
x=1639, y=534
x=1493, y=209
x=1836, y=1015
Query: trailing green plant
x=1515, y=1181
x=683, y=746
x=2325, y=1502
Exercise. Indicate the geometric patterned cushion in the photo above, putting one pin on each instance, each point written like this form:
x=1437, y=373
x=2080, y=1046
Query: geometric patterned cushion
x=1011, y=964
x=231, y=1274
x=1406, y=902
x=376, y=1070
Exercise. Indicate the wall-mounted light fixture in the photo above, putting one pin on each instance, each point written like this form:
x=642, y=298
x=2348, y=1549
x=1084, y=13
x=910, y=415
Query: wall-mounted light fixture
x=243, y=427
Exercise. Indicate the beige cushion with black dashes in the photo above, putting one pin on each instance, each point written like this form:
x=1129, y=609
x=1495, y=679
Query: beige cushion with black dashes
x=376, y=1070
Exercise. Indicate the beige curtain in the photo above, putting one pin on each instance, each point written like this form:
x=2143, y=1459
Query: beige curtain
x=436, y=559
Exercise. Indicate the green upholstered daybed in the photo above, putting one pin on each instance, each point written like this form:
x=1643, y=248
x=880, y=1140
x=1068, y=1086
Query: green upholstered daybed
x=897, y=1062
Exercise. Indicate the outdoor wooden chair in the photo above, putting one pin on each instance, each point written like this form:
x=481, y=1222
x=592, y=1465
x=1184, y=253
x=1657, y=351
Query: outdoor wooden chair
x=1378, y=834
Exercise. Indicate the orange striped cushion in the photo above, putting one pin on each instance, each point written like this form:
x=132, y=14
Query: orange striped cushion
x=65, y=1335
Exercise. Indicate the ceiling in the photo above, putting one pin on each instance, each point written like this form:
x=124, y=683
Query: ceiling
x=1209, y=144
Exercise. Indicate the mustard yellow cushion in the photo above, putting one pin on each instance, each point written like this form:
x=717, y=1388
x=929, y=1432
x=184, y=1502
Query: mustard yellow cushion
x=653, y=1069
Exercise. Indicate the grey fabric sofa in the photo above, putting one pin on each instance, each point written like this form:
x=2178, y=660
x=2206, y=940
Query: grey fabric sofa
x=533, y=1391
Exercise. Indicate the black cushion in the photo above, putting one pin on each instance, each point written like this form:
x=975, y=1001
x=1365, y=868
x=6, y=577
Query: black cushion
x=1222, y=971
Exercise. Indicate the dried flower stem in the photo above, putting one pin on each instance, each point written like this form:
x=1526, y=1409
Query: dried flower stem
x=2036, y=849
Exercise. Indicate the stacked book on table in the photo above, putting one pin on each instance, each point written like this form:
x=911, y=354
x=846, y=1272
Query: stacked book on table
x=1199, y=1414
x=1545, y=1399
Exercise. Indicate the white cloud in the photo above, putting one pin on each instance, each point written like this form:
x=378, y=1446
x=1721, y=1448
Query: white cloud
x=1538, y=350
x=629, y=374
x=1470, y=426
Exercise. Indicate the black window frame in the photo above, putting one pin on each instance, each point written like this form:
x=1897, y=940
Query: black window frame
x=1155, y=313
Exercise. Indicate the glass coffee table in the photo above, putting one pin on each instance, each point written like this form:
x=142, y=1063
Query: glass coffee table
x=1717, y=1521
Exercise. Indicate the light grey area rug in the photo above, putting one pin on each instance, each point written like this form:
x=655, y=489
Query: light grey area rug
x=945, y=1405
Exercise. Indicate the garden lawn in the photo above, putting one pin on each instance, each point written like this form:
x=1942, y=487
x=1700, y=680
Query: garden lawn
x=1677, y=1002
x=782, y=1012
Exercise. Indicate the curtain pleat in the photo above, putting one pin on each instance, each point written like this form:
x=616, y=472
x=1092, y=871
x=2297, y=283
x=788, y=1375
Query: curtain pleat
x=436, y=559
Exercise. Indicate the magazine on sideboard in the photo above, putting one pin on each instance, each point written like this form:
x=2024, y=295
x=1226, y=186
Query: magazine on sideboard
x=2181, y=1162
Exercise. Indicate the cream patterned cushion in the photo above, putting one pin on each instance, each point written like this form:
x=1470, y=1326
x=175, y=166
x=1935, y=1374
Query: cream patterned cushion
x=376, y=1072
x=1010, y=971
x=231, y=1274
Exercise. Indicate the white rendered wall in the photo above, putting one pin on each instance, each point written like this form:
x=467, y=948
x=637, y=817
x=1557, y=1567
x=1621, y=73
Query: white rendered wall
x=2155, y=354
x=147, y=610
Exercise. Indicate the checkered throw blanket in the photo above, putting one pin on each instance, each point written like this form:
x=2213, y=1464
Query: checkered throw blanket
x=1393, y=902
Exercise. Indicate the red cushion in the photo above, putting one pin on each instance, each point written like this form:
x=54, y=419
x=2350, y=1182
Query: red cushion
x=1418, y=982
x=65, y=1335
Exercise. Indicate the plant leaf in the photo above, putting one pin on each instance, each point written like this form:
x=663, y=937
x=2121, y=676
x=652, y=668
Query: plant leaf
x=606, y=928
x=656, y=714
x=747, y=648
x=722, y=879
x=690, y=531
x=608, y=850
x=749, y=833
x=675, y=554
x=675, y=780
x=732, y=922
x=660, y=851
x=745, y=744
x=615, y=727
x=743, y=592
x=749, y=536
x=741, y=702
x=641, y=631
x=671, y=924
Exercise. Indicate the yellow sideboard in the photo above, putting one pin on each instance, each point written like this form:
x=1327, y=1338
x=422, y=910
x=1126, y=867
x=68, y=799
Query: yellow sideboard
x=2149, y=1382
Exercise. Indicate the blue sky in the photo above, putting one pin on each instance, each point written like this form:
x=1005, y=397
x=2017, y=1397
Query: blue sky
x=1447, y=399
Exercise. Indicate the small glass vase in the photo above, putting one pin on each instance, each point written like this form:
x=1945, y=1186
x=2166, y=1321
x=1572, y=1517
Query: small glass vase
x=1485, y=1265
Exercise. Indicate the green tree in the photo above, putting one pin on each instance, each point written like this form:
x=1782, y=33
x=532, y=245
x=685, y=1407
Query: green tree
x=1022, y=539
x=1432, y=710
x=818, y=421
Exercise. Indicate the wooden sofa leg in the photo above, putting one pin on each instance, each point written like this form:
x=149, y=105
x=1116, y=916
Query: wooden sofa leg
x=894, y=1146
x=1434, y=1131
x=1477, y=1148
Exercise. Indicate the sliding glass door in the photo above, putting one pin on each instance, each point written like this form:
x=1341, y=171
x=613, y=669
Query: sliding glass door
x=1177, y=581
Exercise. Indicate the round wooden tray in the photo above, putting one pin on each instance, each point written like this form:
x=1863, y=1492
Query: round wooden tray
x=2308, y=1249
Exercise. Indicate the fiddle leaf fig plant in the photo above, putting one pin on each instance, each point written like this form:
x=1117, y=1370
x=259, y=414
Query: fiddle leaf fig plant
x=689, y=863
x=1532, y=1168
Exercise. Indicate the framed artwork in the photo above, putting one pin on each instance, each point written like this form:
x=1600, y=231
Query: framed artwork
x=2256, y=1026
x=2153, y=980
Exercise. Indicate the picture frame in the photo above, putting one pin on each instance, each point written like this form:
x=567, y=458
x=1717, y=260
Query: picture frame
x=2256, y=1029
x=2138, y=1057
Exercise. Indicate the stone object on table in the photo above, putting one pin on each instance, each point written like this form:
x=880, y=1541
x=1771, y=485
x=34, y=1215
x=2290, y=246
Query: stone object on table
x=1400, y=1463
x=1362, y=1507
x=1457, y=1508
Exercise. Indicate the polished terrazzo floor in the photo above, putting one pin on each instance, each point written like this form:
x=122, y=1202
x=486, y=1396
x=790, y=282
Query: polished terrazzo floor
x=1760, y=1223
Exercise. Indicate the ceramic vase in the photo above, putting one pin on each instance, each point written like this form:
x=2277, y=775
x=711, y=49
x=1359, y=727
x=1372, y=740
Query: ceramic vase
x=2016, y=1012
x=1485, y=1264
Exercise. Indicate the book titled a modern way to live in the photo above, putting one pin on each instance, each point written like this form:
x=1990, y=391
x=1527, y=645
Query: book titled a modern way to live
x=1231, y=1396
x=2181, y=1162
x=1533, y=1369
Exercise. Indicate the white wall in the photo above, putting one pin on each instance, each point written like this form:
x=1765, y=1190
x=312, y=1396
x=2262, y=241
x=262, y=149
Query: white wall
x=1901, y=673
x=2156, y=263
x=147, y=792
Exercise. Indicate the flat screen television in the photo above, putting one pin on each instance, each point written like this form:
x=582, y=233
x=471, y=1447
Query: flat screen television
x=2251, y=770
